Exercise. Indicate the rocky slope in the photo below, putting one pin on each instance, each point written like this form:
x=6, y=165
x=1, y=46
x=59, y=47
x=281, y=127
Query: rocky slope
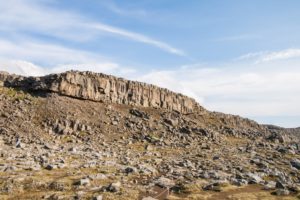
x=79, y=135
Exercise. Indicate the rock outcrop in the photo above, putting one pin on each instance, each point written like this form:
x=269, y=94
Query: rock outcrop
x=104, y=88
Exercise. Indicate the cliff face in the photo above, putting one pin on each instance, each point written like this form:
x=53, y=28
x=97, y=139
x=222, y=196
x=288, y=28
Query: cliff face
x=104, y=88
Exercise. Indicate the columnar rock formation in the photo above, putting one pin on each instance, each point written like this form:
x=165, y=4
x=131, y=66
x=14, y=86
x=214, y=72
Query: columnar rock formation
x=104, y=88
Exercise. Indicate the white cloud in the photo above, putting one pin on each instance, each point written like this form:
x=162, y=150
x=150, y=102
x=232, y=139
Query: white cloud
x=21, y=67
x=170, y=80
x=32, y=15
x=44, y=53
x=36, y=59
x=138, y=37
x=267, y=56
x=25, y=68
x=281, y=55
x=253, y=55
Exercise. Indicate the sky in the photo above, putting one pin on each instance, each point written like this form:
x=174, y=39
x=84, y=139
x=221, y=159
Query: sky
x=232, y=56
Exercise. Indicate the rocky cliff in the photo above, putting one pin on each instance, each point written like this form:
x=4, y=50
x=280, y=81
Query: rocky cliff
x=104, y=88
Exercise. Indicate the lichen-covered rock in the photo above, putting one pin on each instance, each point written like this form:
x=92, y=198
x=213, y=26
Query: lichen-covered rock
x=104, y=88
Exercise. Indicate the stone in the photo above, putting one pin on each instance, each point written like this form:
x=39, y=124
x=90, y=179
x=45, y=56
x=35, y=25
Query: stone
x=239, y=182
x=18, y=143
x=55, y=197
x=73, y=149
x=254, y=178
x=10, y=168
x=185, y=130
x=271, y=185
x=279, y=185
x=47, y=146
x=98, y=177
x=171, y=122
x=147, y=169
x=99, y=197
x=79, y=195
x=216, y=187
x=148, y=198
x=165, y=182
x=275, y=136
x=282, y=192
x=129, y=170
x=138, y=113
x=149, y=147
x=114, y=187
x=294, y=188
x=58, y=186
x=296, y=163
x=83, y=182
x=50, y=167
x=115, y=123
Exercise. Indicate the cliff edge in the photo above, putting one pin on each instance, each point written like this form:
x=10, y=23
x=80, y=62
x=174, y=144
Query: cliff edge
x=104, y=88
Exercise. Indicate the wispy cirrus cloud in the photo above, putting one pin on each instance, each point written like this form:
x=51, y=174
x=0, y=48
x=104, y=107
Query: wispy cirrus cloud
x=22, y=53
x=128, y=11
x=137, y=37
x=268, y=56
x=281, y=55
x=32, y=15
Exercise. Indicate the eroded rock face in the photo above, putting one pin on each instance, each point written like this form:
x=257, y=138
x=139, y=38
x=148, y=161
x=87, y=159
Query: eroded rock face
x=105, y=88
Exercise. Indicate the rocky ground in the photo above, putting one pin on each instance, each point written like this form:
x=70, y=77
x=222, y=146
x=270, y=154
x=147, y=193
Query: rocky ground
x=58, y=147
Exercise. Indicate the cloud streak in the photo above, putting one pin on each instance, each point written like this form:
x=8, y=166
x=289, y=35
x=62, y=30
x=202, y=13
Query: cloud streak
x=30, y=15
x=112, y=6
x=266, y=56
x=137, y=37
x=281, y=55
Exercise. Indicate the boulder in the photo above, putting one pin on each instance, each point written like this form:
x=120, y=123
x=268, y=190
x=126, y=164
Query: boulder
x=165, y=182
x=296, y=163
x=83, y=182
x=254, y=178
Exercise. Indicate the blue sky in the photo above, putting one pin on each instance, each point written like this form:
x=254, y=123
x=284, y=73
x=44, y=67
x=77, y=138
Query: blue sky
x=239, y=57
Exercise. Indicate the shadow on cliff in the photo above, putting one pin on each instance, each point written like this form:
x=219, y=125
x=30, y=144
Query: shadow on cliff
x=34, y=93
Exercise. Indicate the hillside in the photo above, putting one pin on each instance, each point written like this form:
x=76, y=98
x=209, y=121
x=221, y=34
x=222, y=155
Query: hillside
x=84, y=135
